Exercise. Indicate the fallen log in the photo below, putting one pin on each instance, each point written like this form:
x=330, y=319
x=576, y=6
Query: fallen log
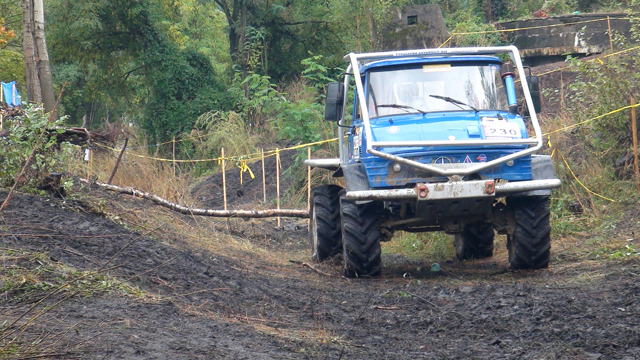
x=201, y=212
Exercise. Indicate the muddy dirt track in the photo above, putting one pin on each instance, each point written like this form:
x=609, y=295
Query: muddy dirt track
x=202, y=305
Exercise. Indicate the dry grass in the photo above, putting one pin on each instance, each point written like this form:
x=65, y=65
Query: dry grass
x=137, y=170
x=299, y=90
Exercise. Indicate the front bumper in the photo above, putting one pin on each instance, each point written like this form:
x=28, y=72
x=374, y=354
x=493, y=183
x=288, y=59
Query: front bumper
x=455, y=190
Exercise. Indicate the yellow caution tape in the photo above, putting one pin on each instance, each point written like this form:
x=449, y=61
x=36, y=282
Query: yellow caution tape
x=446, y=41
x=247, y=158
x=592, y=119
x=244, y=167
x=580, y=182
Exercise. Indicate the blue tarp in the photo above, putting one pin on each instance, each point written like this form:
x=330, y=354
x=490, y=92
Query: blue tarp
x=10, y=94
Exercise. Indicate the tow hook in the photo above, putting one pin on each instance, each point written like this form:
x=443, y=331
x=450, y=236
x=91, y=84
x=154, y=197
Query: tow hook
x=490, y=187
x=423, y=191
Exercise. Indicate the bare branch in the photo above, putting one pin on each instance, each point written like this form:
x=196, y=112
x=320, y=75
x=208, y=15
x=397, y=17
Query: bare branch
x=202, y=212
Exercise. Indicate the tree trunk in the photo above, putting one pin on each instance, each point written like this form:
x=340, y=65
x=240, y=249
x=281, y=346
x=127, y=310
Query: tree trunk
x=244, y=58
x=372, y=25
x=44, y=67
x=34, y=92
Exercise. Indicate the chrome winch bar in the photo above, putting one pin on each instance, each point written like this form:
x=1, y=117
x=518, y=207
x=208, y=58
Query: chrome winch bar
x=355, y=59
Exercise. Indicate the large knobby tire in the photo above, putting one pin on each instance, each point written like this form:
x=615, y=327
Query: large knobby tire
x=324, y=212
x=530, y=246
x=361, y=238
x=475, y=242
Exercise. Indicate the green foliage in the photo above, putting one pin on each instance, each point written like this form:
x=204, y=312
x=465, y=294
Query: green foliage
x=149, y=62
x=481, y=39
x=253, y=94
x=302, y=120
x=315, y=72
x=183, y=86
x=600, y=87
x=17, y=147
x=12, y=68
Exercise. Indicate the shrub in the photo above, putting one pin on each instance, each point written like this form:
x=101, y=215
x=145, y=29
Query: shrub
x=17, y=145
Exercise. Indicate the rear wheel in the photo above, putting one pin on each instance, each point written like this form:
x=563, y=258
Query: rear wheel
x=475, y=242
x=361, y=238
x=530, y=246
x=324, y=212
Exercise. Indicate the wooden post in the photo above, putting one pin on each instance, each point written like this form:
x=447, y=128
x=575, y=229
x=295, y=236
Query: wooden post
x=224, y=181
x=309, y=187
x=634, y=129
x=173, y=142
x=264, y=184
x=609, y=26
x=278, y=182
x=115, y=168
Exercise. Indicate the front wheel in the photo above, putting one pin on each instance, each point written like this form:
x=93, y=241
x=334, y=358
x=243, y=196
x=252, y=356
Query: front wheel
x=324, y=212
x=530, y=246
x=361, y=238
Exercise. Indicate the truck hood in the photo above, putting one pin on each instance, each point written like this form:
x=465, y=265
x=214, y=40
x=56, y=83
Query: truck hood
x=450, y=125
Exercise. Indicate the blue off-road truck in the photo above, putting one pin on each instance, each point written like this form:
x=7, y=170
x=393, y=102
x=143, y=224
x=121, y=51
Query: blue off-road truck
x=437, y=141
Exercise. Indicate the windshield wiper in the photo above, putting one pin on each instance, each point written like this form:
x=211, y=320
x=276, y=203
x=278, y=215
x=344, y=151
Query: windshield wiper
x=454, y=102
x=398, y=106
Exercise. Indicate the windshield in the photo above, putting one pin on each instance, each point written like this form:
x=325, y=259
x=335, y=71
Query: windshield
x=435, y=87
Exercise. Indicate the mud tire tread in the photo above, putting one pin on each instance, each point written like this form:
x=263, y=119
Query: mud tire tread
x=361, y=239
x=325, y=200
x=530, y=246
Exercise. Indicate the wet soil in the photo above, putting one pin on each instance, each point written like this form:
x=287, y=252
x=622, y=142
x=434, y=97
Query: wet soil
x=202, y=305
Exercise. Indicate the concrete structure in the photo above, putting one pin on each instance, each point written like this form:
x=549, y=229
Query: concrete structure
x=414, y=27
x=550, y=39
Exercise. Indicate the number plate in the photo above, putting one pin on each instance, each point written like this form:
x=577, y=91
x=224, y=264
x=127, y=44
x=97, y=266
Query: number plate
x=500, y=129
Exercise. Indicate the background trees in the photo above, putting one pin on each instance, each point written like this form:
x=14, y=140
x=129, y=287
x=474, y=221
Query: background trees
x=160, y=64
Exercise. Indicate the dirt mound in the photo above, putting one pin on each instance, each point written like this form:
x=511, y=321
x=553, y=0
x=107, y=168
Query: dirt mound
x=249, y=193
x=205, y=305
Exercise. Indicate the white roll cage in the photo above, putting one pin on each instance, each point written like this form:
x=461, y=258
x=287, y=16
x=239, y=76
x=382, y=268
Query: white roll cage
x=357, y=60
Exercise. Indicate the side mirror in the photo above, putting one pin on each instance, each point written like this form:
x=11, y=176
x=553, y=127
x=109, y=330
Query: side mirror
x=335, y=100
x=534, y=89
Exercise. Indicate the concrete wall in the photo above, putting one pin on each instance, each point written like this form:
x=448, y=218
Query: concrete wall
x=428, y=31
x=543, y=44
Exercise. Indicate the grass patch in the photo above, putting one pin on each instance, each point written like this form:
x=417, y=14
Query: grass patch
x=431, y=246
x=27, y=275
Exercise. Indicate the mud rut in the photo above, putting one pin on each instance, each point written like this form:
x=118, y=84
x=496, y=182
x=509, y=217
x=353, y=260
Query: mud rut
x=210, y=306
